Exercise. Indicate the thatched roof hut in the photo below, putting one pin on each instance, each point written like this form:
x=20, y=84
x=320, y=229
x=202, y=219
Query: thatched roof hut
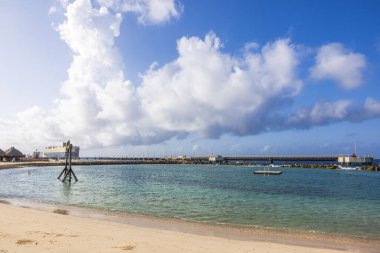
x=12, y=152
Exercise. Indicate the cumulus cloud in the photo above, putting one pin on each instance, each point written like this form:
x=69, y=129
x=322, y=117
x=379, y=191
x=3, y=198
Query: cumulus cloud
x=335, y=62
x=208, y=92
x=103, y=104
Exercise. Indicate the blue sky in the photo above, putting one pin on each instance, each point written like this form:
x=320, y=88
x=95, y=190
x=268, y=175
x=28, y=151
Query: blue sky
x=124, y=77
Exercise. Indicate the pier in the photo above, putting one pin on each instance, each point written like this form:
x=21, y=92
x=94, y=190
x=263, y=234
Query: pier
x=215, y=159
x=327, y=158
x=283, y=158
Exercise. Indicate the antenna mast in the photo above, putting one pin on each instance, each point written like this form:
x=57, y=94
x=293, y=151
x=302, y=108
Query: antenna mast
x=356, y=148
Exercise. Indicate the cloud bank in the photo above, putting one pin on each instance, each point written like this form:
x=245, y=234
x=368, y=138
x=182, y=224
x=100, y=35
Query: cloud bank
x=323, y=113
x=205, y=91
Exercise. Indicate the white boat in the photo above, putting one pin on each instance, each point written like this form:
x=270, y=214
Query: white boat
x=266, y=170
x=273, y=166
x=348, y=168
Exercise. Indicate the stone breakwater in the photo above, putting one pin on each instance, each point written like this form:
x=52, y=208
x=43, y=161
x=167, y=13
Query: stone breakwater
x=330, y=167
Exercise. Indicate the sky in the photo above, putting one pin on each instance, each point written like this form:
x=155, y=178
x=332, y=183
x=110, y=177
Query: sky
x=191, y=77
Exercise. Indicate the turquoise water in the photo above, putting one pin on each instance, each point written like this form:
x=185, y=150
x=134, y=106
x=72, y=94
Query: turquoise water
x=328, y=201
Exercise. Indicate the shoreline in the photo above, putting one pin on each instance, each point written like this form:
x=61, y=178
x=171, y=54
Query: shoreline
x=43, y=163
x=226, y=232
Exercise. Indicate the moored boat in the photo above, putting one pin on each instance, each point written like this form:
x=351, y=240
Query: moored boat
x=268, y=172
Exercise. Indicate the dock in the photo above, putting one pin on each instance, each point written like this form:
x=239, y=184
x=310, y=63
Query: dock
x=267, y=172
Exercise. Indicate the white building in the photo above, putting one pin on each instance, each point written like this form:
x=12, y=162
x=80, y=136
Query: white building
x=215, y=159
x=353, y=160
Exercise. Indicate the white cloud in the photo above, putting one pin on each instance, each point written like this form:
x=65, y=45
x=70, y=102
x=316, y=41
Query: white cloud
x=208, y=92
x=372, y=107
x=335, y=62
x=30, y=127
x=148, y=11
x=323, y=113
x=154, y=11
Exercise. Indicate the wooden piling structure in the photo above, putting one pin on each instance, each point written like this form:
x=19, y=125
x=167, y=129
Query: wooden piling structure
x=68, y=172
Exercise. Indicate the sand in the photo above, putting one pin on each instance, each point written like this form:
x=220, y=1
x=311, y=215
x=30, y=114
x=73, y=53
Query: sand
x=25, y=229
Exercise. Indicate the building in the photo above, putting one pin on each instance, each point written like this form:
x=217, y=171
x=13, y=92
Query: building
x=353, y=160
x=200, y=159
x=2, y=155
x=182, y=158
x=36, y=154
x=13, y=154
x=216, y=159
x=59, y=152
x=207, y=159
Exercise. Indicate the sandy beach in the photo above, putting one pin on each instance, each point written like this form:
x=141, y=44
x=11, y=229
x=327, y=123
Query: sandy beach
x=44, y=229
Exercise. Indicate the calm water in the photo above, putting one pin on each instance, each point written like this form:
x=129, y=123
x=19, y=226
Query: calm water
x=339, y=202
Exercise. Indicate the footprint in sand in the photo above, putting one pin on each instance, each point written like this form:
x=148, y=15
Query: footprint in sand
x=47, y=234
x=61, y=211
x=25, y=242
x=4, y=235
x=127, y=247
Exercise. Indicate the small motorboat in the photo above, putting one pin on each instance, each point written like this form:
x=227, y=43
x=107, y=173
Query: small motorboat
x=268, y=172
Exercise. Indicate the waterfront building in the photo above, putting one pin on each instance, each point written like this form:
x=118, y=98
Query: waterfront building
x=353, y=160
x=215, y=159
x=59, y=152
x=207, y=159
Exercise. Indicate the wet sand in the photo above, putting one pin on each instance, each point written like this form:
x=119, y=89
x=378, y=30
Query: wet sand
x=31, y=227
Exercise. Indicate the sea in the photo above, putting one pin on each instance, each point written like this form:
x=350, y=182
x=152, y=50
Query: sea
x=305, y=200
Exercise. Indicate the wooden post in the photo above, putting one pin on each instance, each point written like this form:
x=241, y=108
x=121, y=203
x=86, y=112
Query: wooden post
x=67, y=172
